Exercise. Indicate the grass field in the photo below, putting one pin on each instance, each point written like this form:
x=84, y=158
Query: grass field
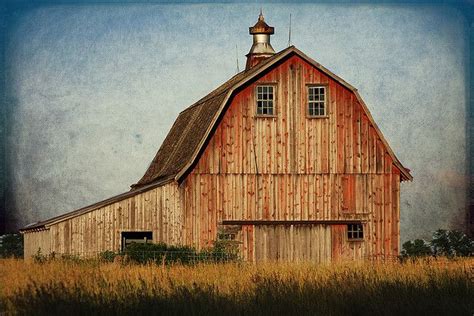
x=434, y=287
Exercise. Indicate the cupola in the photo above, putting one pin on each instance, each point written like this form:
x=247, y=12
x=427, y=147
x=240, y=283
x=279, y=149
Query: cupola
x=261, y=48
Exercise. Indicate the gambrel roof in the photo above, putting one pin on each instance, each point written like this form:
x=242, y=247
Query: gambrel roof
x=194, y=125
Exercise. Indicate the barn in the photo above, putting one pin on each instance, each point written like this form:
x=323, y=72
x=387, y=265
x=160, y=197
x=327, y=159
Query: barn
x=284, y=158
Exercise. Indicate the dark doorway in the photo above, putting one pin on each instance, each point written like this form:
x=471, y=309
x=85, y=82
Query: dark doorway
x=136, y=237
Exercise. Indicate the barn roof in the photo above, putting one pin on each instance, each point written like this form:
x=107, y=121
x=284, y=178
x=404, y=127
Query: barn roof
x=193, y=127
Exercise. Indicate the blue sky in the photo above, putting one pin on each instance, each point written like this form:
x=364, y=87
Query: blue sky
x=93, y=90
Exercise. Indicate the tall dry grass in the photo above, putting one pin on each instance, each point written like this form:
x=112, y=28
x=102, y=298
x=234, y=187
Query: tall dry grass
x=436, y=287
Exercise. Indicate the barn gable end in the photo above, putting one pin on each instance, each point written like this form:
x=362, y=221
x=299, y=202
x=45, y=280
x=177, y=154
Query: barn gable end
x=193, y=128
x=345, y=141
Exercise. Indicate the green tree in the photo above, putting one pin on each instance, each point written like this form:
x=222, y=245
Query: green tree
x=11, y=245
x=452, y=243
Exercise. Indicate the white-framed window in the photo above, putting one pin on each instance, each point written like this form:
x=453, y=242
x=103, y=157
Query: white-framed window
x=355, y=231
x=317, y=96
x=265, y=100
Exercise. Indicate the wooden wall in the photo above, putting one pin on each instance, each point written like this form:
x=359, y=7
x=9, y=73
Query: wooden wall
x=36, y=240
x=291, y=167
x=158, y=210
x=370, y=198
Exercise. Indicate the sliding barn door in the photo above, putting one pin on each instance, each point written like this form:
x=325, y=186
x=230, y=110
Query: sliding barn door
x=291, y=243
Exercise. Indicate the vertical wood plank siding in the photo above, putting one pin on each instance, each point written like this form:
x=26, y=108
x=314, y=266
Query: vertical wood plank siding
x=293, y=167
x=157, y=210
x=37, y=240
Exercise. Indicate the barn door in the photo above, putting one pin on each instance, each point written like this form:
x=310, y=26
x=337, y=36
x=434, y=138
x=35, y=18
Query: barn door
x=292, y=243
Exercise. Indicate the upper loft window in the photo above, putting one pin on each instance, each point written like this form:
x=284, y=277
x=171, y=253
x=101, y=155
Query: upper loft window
x=355, y=231
x=265, y=100
x=316, y=101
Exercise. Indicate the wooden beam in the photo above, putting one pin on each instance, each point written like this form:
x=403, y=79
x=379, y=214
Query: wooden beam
x=292, y=222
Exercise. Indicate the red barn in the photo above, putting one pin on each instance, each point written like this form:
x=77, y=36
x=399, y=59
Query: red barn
x=284, y=158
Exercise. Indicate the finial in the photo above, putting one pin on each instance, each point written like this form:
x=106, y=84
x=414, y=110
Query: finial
x=260, y=17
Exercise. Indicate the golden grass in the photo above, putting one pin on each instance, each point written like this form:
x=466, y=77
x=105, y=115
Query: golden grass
x=436, y=286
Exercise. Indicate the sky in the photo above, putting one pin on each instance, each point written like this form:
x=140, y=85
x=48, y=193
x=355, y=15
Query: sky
x=92, y=90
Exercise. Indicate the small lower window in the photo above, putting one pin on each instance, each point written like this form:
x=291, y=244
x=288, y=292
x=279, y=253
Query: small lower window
x=227, y=236
x=355, y=232
x=136, y=237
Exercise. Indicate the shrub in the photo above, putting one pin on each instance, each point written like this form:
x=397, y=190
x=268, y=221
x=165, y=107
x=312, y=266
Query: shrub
x=161, y=253
x=107, y=256
x=38, y=257
x=416, y=248
x=225, y=249
x=69, y=257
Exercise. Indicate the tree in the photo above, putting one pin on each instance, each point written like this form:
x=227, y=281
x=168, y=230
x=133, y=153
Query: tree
x=11, y=245
x=452, y=243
